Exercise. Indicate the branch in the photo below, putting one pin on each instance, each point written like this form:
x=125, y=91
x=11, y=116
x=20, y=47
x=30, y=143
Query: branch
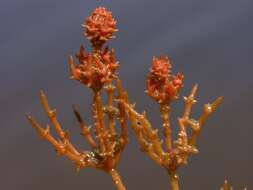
x=184, y=146
x=147, y=137
x=85, y=131
x=110, y=109
x=59, y=146
x=122, y=95
x=208, y=110
x=116, y=179
x=52, y=116
x=165, y=115
x=105, y=147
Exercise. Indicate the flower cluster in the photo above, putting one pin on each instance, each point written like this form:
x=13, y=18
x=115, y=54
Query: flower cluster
x=99, y=26
x=161, y=85
x=94, y=69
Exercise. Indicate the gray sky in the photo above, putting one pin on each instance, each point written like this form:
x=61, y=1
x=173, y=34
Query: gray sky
x=210, y=41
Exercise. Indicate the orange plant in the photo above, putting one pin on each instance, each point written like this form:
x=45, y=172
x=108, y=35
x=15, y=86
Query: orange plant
x=98, y=71
x=164, y=88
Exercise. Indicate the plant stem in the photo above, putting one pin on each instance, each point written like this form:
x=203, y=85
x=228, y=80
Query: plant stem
x=174, y=181
x=116, y=179
x=165, y=115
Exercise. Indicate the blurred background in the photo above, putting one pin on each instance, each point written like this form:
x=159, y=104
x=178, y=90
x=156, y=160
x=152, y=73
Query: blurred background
x=210, y=41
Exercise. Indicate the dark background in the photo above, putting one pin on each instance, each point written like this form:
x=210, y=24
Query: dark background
x=210, y=41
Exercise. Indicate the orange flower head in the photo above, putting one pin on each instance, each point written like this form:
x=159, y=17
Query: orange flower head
x=94, y=70
x=99, y=26
x=161, y=67
x=161, y=85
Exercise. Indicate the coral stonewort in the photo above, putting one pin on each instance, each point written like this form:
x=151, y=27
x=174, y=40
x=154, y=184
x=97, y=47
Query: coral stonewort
x=97, y=70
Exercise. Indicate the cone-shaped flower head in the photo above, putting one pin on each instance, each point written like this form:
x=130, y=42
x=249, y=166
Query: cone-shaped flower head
x=161, y=85
x=99, y=26
x=161, y=67
x=94, y=70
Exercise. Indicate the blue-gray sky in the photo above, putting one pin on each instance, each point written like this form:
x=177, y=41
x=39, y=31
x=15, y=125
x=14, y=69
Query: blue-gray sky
x=210, y=41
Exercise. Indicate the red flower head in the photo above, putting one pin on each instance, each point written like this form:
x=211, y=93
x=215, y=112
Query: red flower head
x=161, y=85
x=161, y=67
x=99, y=26
x=94, y=70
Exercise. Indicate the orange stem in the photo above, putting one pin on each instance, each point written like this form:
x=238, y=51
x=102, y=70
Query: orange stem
x=116, y=179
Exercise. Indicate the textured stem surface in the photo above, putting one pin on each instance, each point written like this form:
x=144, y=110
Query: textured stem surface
x=99, y=121
x=165, y=115
x=174, y=181
x=116, y=179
